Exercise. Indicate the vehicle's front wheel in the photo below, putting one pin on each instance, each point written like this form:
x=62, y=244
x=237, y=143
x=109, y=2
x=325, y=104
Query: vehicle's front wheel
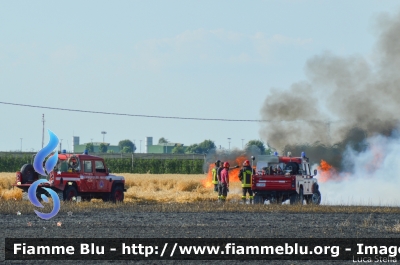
x=117, y=194
x=316, y=198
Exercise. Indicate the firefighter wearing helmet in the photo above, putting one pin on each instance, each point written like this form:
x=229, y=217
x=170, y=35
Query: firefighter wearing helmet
x=224, y=182
x=221, y=167
x=246, y=176
x=214, y=172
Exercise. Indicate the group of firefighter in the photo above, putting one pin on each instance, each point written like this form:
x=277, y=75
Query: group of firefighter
x=220, y=179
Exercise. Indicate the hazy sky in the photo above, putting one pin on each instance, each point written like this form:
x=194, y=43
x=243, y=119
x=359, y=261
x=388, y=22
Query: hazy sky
x=204, y=59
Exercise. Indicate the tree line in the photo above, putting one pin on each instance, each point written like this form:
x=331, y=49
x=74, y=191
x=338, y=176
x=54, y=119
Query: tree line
x=12, y=163
x=207, y=145
x=127, y=146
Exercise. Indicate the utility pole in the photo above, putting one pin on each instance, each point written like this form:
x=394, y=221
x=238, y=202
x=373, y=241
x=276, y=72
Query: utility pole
x=61, y=145
x=229, y=141
x=103, y=133
x=43, y=131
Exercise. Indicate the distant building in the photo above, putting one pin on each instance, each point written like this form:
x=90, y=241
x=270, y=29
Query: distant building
x=149, y=142
x=96, y=145
x=163, y=148
x=160, y=148
x=150, y=148
x=80, y=148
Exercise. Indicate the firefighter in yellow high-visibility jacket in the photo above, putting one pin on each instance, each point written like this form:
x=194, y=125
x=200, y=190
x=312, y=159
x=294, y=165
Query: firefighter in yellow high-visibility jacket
x=214, y=172
x=245, y=176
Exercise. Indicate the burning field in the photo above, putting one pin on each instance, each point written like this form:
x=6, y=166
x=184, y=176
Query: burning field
x=165, y=188
x=185, y=206
x=159, y=188
x=234, y=160
x=367, y=177
x=344, y=115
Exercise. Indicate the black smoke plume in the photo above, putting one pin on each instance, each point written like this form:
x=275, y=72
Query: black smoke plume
x=343, y=101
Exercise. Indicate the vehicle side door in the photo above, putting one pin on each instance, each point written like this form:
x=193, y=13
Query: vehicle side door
x=101, y=176
x=89, y=179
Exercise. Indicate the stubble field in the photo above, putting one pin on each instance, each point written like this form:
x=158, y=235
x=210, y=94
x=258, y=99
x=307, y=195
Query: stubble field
x=161, y=188
x=179, y=206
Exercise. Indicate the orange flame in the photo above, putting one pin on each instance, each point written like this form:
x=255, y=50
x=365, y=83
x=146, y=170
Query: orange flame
x=327, y=172
x=207, y=182
x=233, y=173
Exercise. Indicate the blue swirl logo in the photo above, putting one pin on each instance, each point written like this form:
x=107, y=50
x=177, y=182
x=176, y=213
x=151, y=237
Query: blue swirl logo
x=49, y=165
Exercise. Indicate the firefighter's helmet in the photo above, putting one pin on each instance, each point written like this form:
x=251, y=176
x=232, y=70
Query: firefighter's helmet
x=226, y=164
x=246, y=163
x=218, y=163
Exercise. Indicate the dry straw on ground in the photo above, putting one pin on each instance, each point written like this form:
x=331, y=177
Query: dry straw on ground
x=146, y=187
x=172, y=188
x=172, y=193
x=6, y=190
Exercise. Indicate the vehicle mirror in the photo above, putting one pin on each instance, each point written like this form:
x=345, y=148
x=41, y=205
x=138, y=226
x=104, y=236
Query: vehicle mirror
x=315, y=172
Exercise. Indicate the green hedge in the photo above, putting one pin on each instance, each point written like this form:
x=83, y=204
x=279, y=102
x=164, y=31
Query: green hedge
x=123, y=165
x=155, y=166
x=13, y=163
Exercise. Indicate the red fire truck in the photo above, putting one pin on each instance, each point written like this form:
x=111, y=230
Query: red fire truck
x=76, y=176
x=281, y=178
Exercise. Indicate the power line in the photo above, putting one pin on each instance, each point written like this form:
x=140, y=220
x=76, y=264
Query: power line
x=156, y=116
